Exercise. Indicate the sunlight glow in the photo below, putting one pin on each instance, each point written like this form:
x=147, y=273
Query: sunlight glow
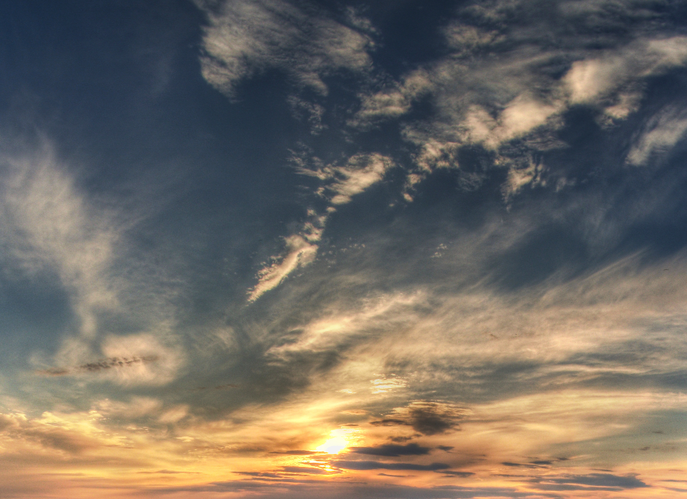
x=336, y=443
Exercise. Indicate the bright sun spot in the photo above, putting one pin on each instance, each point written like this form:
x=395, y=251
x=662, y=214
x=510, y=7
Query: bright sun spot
x=336, y=443
x=333, y=445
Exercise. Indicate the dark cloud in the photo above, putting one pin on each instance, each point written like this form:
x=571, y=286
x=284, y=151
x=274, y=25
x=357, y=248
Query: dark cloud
x=533, y=464
x=462, y=474
x=594, y=481
x=295, y=452
x=6, y=422
x=429, y=422
x=390, y=450
x=304, y=469
x=389, y=422
x=376, y=465
x=445, y=448
x=401, y=439
x=333, y=490
x=258, y=474
x=226, y=386
x=427, y=418
x=100, y=365
x=59, y=439
x=168, y=472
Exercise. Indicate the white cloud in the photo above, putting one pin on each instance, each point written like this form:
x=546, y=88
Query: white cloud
x=245, y=37
x=520, y=177
x=385, y=385
x=662, y=132
x=588, y=79
x=360, y=172
x=595, y=78
x=520, y=116
x=393, y=103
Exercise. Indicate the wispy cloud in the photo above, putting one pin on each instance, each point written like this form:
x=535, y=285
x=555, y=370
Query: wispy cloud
x=342, y=182
x=502, y=81
x=299, y=251
x=661, y=133
x=339, y=184
x=246, y=37
x=47, y=223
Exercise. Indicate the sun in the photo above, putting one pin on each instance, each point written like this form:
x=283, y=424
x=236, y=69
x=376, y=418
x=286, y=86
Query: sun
x=336, y=443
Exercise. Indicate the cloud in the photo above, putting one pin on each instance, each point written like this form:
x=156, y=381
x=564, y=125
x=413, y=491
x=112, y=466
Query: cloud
x=47, y=223
x=246, y=37
x=342, y=182
x=375, y=465
x=99, y=365
x=51, y=226
x=428, y=418
x=162, y=371
x=299, y=252
x=661, y=133
x=591, y=79
x=136, y=408
x=174, y=414
x=296, y=452
x=339, y=184
x=314, y=490
x=390, y=450
x=384, y=385
x=593, y=481
x=502, y=82
x=139, y=359
x=392, y=103
x=52, y=433
x=340, y=326
x=460, y=474
x=304, y=469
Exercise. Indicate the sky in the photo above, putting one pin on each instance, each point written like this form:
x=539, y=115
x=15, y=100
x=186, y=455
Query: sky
x=396, y=249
